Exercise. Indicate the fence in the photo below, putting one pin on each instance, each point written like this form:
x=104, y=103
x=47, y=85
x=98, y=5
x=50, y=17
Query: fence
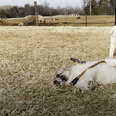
x=103, y=20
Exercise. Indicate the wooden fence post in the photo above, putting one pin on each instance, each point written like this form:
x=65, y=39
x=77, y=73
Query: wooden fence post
x=86, y=20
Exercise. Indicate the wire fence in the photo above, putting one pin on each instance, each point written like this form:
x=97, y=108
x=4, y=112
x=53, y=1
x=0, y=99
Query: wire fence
x=103, y=20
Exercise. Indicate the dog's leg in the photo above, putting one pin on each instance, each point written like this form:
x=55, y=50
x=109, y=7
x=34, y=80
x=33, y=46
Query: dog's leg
x=92, y=85
x=111, y=52
x=77, y=60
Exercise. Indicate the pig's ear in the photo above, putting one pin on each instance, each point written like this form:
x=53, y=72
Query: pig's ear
x=77, y=60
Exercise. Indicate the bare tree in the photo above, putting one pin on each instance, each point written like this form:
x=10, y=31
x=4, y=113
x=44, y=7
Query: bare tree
x=85, y=3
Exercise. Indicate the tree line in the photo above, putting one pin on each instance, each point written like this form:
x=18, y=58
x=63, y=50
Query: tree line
x=43, y=10
x=99, y=7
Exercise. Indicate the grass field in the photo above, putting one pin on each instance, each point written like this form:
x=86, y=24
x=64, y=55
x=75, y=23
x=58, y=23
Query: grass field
x=100, y=20
x=29, y=57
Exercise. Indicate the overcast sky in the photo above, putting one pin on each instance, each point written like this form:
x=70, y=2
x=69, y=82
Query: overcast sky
x=53, y=3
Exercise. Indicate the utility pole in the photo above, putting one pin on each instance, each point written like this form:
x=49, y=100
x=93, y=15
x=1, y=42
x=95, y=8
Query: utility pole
x=90, y=9
x=115, y=15
x=36, y=13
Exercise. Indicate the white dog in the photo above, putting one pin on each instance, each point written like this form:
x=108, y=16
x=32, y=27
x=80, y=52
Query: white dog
x=112, y=41
x=85, y=75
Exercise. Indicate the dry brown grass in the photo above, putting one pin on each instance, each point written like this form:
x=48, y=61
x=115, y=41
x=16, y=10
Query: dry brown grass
x=100, y=20
x=29, y=57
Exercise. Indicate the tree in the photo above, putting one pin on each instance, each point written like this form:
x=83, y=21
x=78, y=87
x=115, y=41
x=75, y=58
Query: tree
x=44, y=10
x=85, y=4
x=2, y=14
x=28, y=10
x=113, y=3
x=13, y=12
x=94, y=6
x=105, y=7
